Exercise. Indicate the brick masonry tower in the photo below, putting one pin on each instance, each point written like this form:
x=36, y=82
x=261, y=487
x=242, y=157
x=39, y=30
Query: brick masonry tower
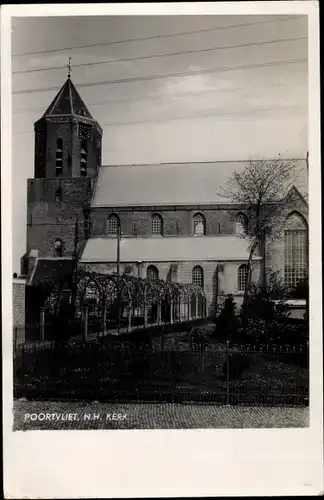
x=67, y=159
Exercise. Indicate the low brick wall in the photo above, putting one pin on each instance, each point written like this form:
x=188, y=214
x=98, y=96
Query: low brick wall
x=18, y=308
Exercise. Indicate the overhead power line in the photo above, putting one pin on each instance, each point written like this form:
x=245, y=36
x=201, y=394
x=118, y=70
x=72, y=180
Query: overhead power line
x=167, y=75
x=155, y=97
x=185, y=117
x=153, y=56
x=155, y=37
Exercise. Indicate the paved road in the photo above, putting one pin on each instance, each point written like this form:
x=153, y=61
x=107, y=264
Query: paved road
x=71, y=415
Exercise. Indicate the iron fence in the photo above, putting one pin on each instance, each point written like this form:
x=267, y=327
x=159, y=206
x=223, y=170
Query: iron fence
x=221, y=373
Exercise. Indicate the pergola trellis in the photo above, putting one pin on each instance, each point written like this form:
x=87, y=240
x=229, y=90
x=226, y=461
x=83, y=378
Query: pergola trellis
x=121, y=303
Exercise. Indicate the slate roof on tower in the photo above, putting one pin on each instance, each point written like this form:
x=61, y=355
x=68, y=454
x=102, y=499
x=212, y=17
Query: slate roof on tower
x=68, y=102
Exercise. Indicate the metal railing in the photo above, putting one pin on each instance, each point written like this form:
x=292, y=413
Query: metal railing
x=221, y=373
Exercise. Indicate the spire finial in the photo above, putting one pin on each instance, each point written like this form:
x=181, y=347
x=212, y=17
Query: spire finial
x=69, y=68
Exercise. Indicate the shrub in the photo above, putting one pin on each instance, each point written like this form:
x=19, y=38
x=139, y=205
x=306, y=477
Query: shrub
x=227, y=322
x=267, y=302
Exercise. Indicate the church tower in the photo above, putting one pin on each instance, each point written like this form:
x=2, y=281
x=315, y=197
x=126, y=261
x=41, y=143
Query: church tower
x=67, y=159
x=67, y=138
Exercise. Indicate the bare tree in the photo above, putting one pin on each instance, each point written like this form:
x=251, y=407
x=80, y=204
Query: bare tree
x=261, y=193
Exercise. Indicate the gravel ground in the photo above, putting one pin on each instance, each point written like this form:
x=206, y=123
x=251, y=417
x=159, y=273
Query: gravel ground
x=42, y=415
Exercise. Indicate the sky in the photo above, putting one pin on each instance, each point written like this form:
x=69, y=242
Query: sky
x=164, y=88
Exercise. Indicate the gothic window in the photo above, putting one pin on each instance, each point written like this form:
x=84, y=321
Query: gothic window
x=242, y=276
x=58, y=248
x=198, y=276
x=58, y=194
x=152, y=273
x=83, y=158
x=295, y=249
x=241, y=224
x=59, y=157
x=199, y=225
x=157, y=224
x=112, y=224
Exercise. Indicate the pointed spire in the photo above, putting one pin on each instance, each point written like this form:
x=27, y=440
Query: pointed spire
x=68, y=101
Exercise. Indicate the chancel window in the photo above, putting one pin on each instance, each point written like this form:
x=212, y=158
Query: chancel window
x=198, y=276
x=59, y=157
x=242, y=276
x=157, y=224
x=199, y=224
x=112, y=224
x=296, y=249
x=58, y=248
x=152, y=273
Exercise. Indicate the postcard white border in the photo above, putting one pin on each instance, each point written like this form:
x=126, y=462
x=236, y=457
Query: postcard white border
x=150, y=463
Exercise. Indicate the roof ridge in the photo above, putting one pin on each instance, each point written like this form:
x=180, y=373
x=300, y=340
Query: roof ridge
x=199, y=162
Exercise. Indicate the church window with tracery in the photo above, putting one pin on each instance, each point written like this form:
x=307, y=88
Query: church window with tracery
x=295, y=250
x=199, y=224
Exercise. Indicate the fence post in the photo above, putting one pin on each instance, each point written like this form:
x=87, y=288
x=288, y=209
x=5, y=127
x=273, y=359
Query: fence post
x=197, y=307
x=42, y=323
x=227, y=373
x=159, y=312
x=171, y=311
x=86, y=315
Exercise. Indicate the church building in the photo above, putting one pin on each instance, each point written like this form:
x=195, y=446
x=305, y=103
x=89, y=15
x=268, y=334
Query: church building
x=162, y=221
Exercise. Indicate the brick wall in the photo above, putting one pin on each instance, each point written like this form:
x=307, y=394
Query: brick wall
x=18, y=302
x=175, y=221
x=48, y=219
x=67, y=129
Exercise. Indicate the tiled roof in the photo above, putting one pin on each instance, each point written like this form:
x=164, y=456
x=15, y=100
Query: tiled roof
x=165, y=184
x=167, y=249
x=51, y=270
x=68, y=102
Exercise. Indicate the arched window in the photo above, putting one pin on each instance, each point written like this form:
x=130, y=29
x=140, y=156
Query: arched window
x=58, y=248
x=157, y=224
x=198, y=276
x=152, y=273
x=59, y=157
x=199, y=224
x=83, y=158
x=296, y=249
x=242, y=276
x=241, y=224
x=112, y=224
x=58, y=194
